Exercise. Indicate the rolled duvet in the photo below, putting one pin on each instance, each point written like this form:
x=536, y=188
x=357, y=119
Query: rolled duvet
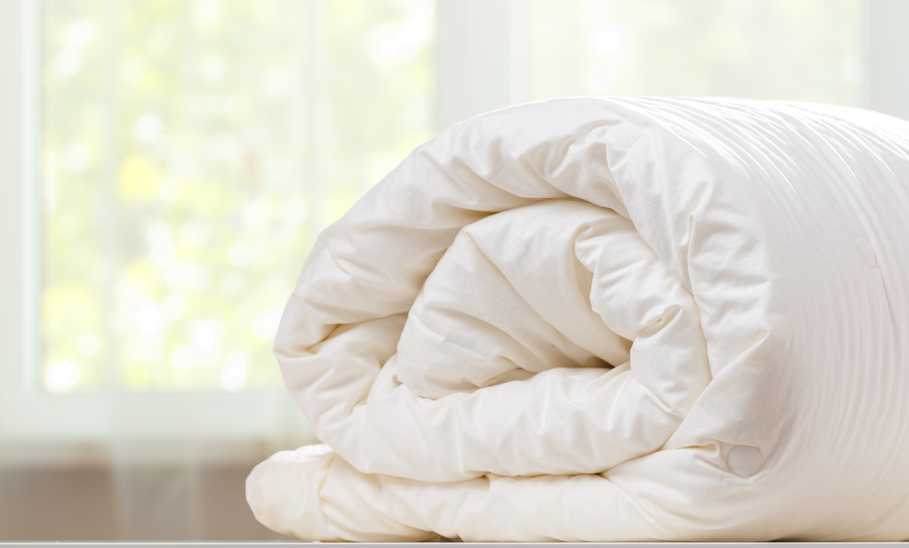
x=610, y=320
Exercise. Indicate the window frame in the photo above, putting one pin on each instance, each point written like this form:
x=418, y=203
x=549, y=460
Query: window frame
x=18, y=140
x=477, y=41
x=75, y=425
x=884, y=35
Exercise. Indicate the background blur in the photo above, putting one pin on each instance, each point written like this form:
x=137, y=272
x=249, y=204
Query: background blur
x=165, y=165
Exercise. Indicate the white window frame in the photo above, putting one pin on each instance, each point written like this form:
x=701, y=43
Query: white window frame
x=44, y=426
x=886, y=56
x=477, y=44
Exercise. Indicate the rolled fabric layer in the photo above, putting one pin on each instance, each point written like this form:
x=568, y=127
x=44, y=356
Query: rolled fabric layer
x=610, y=319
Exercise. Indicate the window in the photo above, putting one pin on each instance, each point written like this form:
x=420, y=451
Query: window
x=190, y=153
x=167, y=164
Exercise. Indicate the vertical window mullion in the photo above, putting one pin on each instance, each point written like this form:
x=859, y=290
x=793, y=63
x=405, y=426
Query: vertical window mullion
x=310, y=105
x=474, y=57
x=33, y=194
x=19, y=188
x=886, y=45
x=110, y=206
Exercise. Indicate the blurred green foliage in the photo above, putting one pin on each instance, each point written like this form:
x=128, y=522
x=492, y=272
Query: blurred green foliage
x=191, y=150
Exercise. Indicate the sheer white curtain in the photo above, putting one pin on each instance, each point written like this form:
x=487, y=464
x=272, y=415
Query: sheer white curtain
x=167, y=164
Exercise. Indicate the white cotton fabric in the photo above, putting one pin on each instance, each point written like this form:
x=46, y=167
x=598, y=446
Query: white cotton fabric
x=610, y=319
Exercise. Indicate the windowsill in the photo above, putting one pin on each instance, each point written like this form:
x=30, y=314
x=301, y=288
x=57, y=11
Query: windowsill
x=145, y=454
x=212, y=427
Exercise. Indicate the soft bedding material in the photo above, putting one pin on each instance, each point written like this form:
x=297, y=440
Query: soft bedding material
x=610, y=319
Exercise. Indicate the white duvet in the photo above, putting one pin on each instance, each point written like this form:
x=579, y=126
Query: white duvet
x=610, y=319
